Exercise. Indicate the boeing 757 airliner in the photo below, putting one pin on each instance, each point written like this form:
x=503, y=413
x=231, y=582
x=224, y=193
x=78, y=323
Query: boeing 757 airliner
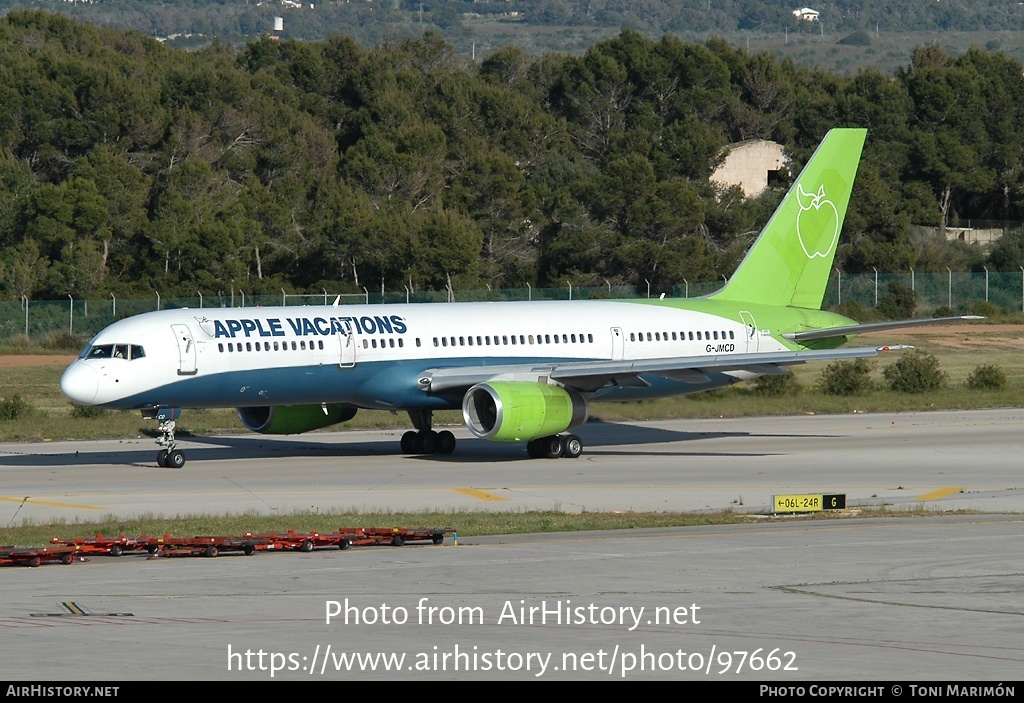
x=520, y=371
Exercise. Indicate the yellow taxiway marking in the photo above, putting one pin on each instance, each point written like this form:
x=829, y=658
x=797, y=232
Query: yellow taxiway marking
x=940, y=493
x=481, y=495
x=75, y=610
x=50, y=503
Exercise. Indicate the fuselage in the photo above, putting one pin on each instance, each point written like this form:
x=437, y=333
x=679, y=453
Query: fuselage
x=372, y=356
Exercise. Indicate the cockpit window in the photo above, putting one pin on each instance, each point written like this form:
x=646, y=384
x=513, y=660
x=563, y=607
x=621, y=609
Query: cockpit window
x=101, y=351
x=114, y=351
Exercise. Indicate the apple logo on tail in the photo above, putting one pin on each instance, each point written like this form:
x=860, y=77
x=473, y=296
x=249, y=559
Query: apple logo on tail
x=817, y=223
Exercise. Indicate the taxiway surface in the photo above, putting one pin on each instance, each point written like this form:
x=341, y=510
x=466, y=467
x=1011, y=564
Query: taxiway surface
x=915, y=599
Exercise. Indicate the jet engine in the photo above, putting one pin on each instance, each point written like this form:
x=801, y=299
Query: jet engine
x=513, y=410
x=294, y=419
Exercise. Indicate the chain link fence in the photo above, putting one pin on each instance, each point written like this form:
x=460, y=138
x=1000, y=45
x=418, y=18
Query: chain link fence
x=960, y=292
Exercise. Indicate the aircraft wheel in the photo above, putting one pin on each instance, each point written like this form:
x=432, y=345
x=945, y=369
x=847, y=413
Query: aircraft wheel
x=161, y=458
x=175, y=459
x=445, y=442
x=409, y=442
x=572, y=446
x=534, y=449
x=426, y=442
x=551, y=447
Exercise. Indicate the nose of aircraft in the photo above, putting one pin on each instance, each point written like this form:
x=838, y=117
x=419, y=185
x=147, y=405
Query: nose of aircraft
x=80, y=383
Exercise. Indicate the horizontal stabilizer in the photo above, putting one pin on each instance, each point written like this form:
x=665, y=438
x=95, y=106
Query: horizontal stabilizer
x=851, y=330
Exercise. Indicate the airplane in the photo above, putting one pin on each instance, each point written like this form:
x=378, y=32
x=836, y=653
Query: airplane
x=520, y=371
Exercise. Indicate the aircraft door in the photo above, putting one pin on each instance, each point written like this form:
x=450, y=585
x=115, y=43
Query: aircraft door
x=751, y=332
x=618, y=344
x=347, y=341
x=186, y=350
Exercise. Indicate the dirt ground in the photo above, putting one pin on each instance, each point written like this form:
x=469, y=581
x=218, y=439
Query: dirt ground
x=22, y=360
x=960, y=337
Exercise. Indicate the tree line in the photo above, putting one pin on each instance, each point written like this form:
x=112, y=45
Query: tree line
x=127, y=166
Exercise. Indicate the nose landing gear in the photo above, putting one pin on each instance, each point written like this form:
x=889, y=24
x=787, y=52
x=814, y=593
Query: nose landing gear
x=169, y=457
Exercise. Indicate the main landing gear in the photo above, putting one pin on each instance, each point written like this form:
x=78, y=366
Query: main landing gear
x=567, y=445
x=425, y=440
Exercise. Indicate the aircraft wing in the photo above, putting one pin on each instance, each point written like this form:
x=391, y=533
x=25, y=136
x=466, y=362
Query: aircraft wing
x=589, y=376
x=850, y=330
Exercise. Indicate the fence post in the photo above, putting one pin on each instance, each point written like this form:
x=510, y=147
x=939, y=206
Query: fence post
x=113, y=306
x=949, y=295
x=25, y=298
x=876, y=286
x=71, y=315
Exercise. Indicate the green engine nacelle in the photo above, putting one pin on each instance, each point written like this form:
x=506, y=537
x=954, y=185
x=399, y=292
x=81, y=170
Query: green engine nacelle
x=294, y=419
x=511, y=411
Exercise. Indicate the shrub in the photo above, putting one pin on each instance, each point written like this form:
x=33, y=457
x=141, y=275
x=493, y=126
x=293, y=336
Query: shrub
x=986, y=377
x=775, y=385
x=84, y=411
x=843, y=377
x=14, y=408
x=917, y=372
x=61, y=341
x=943, y=311
x=985, y=309
x=858, y=38
x=899, y=303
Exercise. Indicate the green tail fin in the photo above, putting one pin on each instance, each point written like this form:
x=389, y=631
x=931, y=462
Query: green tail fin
x=791, y=260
